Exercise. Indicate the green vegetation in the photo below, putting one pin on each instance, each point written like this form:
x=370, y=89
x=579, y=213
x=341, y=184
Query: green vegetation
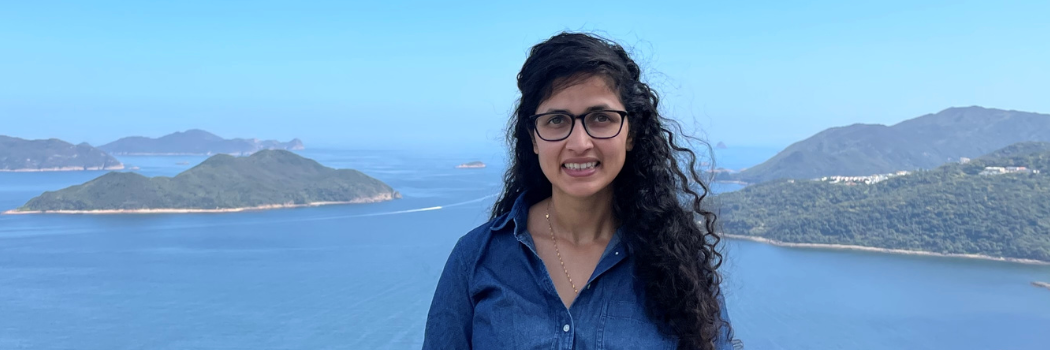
x=35, y=155
x=194, y=141
x=920, y=143
x=950, y=209
x=273, y=177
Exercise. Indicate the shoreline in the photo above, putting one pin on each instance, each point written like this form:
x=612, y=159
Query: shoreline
x=374, y=199
x=66, y=168
x=882, y=250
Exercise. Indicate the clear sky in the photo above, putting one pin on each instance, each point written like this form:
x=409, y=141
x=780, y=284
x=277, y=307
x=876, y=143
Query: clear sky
x=389, y=74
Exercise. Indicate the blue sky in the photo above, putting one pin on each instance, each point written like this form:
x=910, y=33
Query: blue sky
x=404, y=74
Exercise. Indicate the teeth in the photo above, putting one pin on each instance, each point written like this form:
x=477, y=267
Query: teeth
x=580, y=166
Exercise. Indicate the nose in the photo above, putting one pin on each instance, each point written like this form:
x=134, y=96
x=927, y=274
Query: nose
x=579, y=141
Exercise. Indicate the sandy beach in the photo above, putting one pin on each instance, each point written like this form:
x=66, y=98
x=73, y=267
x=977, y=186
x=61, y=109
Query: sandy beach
x=373, y=199
x=883, y=250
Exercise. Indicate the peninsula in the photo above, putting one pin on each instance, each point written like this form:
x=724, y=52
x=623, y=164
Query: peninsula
x=223, y=183
x=21, y=155
x=194, y=142
x=992, y=207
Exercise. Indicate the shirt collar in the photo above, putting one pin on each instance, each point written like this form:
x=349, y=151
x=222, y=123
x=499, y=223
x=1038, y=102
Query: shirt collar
x=519, y=213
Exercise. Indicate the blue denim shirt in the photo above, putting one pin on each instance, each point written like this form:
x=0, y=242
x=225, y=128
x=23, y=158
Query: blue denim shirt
x=496, y=293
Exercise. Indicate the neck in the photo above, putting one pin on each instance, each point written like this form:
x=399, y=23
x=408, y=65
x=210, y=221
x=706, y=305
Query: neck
x=583, y=220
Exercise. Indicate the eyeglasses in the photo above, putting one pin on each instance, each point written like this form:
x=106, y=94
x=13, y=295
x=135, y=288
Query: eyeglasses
x=557, y=126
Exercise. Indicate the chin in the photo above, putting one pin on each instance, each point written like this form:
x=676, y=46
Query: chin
x=582, y=190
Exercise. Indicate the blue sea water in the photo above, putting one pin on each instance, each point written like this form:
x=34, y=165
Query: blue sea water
x=361, y=276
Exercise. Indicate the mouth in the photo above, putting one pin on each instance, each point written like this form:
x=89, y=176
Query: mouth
x=581, y=169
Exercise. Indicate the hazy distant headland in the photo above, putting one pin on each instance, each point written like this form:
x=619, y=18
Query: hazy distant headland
x=996, y=206
x=23, y=155
x=924, y=142
x=194, y=142
x=223, y=183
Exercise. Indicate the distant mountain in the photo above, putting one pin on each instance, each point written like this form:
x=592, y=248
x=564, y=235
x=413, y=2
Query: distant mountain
x=52, y=155
x=266, y=179
x=921, y=143
x=958, y=208
x=194, y=142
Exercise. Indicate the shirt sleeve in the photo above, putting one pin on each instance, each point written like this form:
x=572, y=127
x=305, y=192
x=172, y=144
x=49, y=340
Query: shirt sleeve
x=449, y=322
x=725, y=336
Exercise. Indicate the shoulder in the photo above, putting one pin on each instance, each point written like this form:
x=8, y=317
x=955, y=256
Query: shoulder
x=472, y=245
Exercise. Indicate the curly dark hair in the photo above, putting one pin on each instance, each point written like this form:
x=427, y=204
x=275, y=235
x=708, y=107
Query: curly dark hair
x=657, y=196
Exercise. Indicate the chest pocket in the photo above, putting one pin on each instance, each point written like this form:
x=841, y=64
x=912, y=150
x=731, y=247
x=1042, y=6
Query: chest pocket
x=624, y=325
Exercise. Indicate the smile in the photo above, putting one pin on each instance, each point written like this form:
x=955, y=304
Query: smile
x=580, y=166
x=581, y=170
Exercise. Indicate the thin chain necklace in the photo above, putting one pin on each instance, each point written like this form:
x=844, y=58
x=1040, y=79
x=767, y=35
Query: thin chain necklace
x=548, y=217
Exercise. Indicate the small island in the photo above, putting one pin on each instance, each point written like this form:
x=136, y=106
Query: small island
x=471, y=165
x=223, y=183
x=21, y=155
x=194, y=142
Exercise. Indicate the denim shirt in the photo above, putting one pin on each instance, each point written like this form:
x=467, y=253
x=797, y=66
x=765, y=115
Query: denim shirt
x=496, y=293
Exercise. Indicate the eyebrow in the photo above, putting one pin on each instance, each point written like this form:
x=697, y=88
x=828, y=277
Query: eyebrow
x=589, y=109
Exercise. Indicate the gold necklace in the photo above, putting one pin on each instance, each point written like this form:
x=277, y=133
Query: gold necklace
x=548, y=217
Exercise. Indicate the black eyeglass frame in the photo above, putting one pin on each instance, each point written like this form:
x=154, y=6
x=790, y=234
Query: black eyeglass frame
x=572, y=118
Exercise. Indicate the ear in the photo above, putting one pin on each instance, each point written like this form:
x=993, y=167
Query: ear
x=535, y=147
x=630, y=140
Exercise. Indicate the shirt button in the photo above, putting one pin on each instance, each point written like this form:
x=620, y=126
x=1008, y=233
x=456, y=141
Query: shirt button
x=617, y=253
x=565, y=328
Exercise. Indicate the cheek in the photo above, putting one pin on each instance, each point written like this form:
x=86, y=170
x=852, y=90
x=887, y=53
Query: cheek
x=548, y=154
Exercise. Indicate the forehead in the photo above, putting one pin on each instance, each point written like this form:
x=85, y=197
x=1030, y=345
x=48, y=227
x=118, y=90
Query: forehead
x=577, y=96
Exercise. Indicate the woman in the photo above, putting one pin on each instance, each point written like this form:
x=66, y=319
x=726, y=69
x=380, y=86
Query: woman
x=589, y=246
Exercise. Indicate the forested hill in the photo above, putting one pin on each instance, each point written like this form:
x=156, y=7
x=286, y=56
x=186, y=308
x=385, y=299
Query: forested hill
x=956, y=208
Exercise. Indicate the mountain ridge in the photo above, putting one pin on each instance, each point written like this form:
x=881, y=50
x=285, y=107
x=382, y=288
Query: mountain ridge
x=924, y=142
x=194, y=142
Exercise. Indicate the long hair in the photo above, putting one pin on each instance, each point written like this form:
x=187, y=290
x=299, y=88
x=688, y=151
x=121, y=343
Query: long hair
x=657, y=195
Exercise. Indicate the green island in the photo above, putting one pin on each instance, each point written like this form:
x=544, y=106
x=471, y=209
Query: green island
x=996, y=206
x=223, y=183
x=21, y=155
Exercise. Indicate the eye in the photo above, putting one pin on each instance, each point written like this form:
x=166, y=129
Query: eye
x=604, y=117
x=556, y=119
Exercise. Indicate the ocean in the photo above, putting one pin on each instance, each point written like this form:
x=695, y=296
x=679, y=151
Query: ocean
x=362, y=276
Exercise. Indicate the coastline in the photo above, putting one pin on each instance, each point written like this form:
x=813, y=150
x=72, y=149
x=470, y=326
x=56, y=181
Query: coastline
x=65, y=168
x=374, y=199
x=882, y=250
